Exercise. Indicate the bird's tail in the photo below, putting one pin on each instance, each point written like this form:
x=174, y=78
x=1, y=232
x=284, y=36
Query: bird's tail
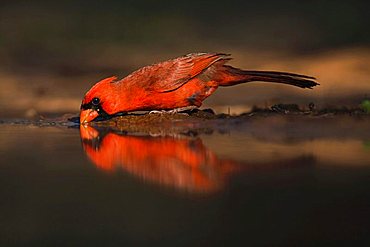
x=232, y=76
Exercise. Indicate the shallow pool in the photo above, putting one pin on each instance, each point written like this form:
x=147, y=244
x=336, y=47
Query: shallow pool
x=266, y=182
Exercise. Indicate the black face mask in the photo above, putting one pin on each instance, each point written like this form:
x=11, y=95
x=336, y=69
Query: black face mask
x=95, y=105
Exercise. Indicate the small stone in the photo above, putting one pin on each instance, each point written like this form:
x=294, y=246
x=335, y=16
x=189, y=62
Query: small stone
x=285, y=108
x=311, y=106
x=31, y=113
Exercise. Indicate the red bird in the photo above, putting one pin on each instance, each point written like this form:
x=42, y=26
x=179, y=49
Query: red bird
x=173, y=84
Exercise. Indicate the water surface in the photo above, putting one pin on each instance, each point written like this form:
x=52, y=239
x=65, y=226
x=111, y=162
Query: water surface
x=269, y=182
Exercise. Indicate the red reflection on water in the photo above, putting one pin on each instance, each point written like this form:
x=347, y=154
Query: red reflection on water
x=178, y=162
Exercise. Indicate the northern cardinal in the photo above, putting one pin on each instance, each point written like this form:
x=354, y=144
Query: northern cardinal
x=182, y=82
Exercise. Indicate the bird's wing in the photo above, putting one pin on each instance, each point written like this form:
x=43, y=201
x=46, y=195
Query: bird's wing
x=173, y=74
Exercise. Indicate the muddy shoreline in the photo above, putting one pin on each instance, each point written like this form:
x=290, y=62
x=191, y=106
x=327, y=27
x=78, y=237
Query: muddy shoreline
x=280, y=121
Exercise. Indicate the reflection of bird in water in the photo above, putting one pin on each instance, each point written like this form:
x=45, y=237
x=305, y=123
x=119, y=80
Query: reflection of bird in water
x=181, y=163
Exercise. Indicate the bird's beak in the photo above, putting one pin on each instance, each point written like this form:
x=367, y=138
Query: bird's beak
x=88, y=115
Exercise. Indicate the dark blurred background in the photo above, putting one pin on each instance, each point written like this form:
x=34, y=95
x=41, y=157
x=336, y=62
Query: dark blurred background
x=52, y=52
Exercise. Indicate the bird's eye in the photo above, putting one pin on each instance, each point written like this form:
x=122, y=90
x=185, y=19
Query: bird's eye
x=95, y=101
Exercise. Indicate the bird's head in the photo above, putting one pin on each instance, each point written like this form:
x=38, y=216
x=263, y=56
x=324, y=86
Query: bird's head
x=100, y=100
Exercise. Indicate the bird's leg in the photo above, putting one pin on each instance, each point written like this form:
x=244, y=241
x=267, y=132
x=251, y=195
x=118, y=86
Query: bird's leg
x=158, y=112
x=174, y=111
x=181, y=109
